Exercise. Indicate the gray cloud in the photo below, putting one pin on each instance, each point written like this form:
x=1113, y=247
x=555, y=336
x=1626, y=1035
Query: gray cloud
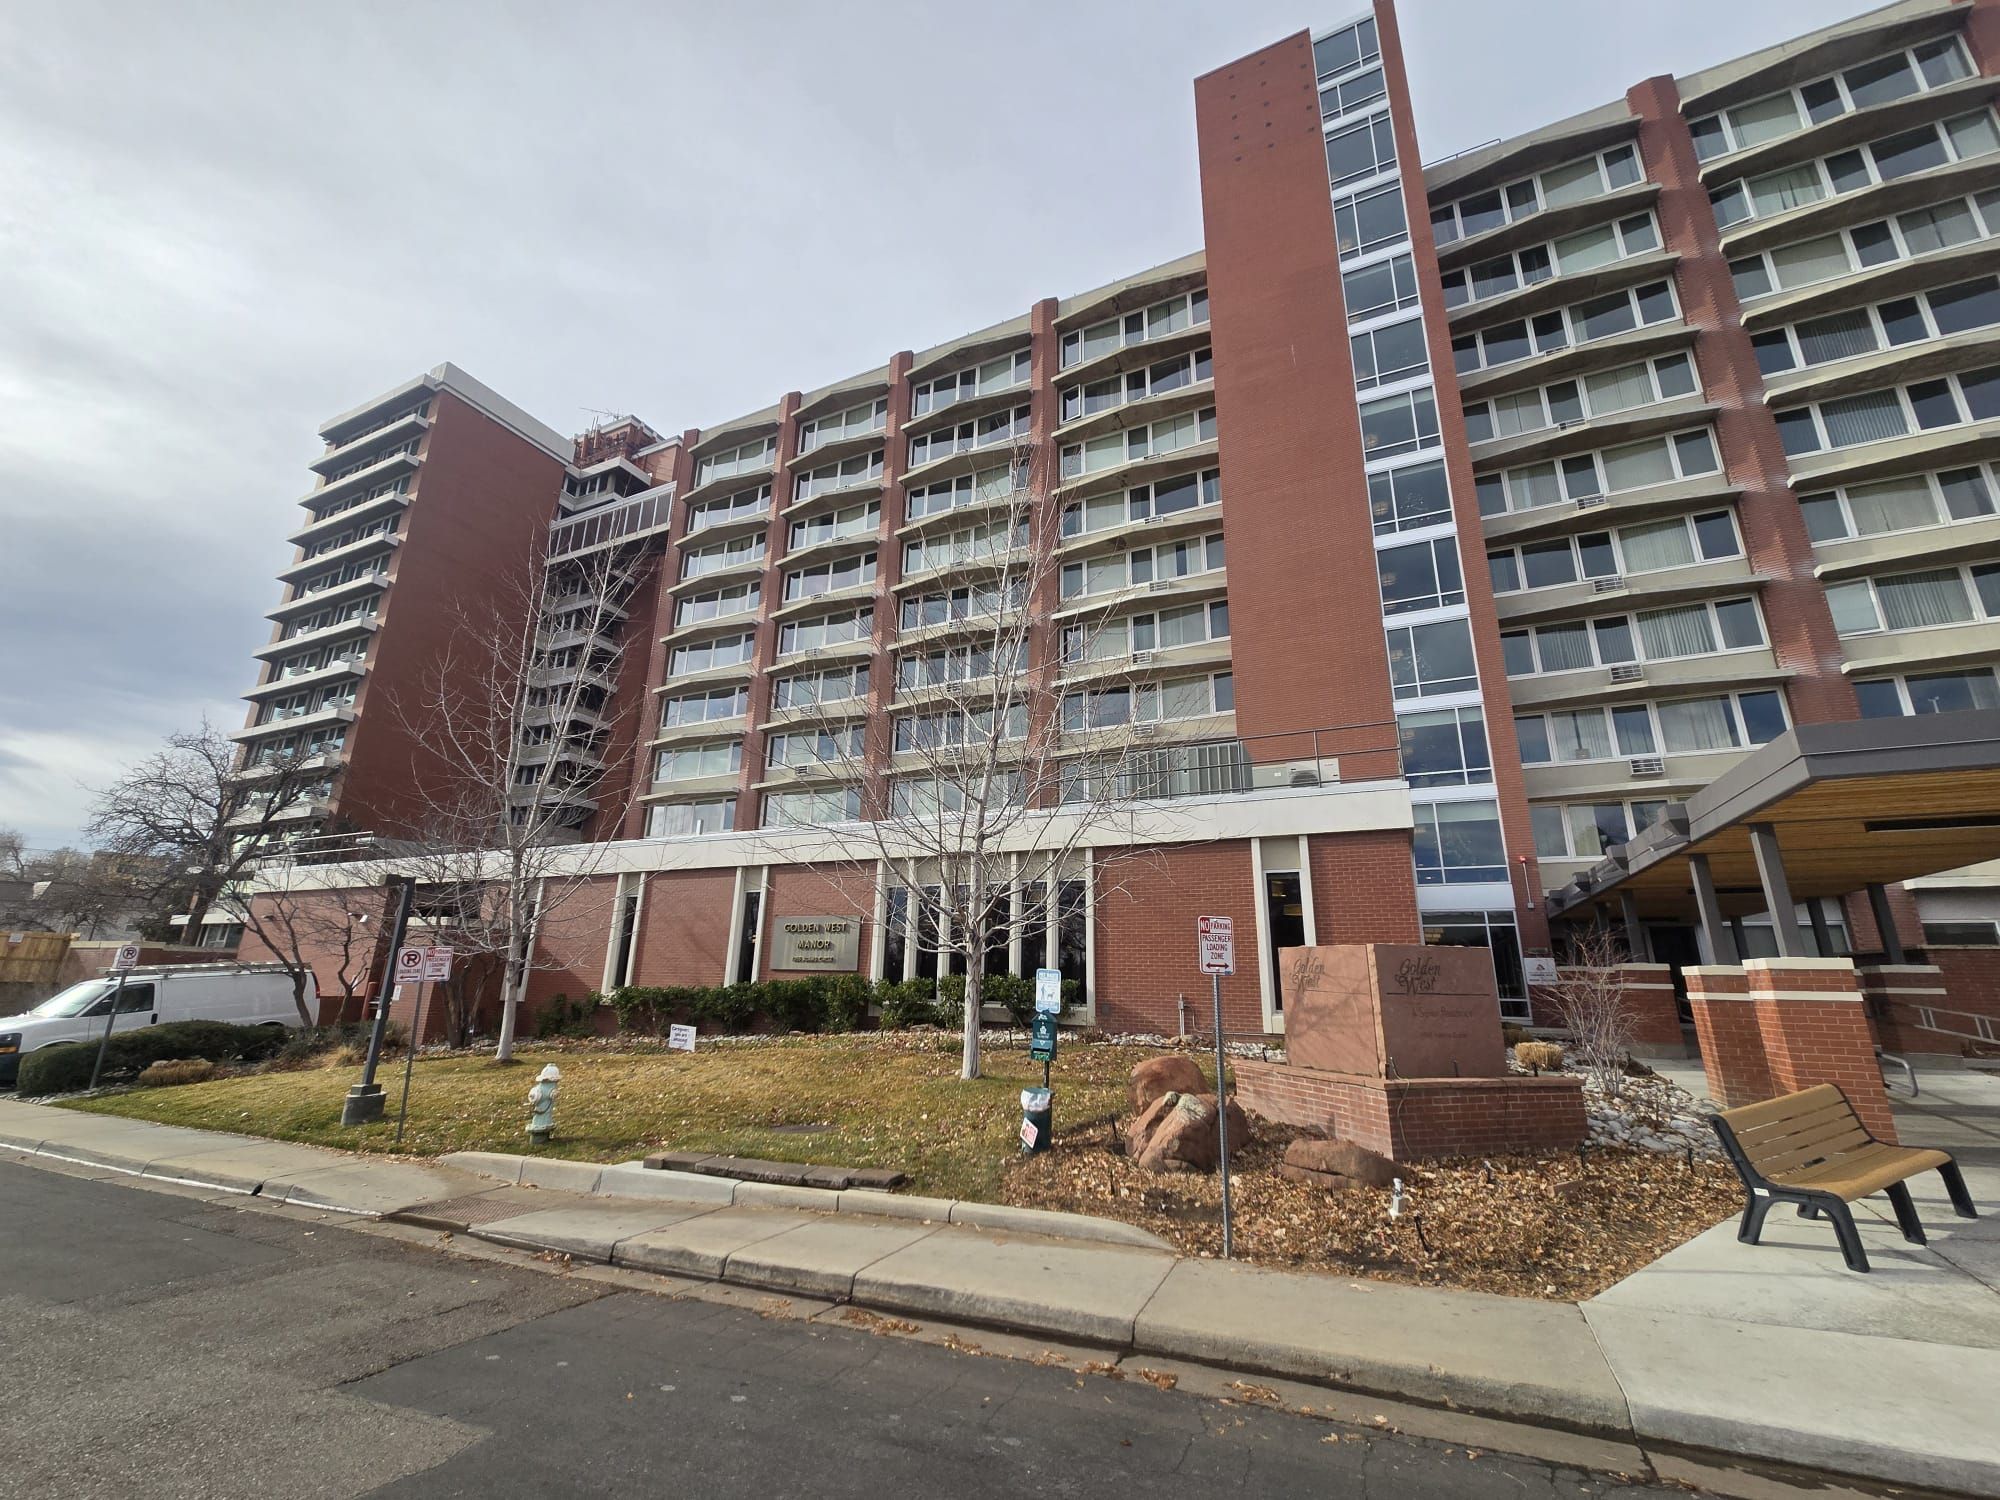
x=221, y=222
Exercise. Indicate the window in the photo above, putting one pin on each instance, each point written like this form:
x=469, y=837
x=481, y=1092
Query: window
x=827, y=577
x=1345, y=50
x=841, y=628
x=1904, y=504
x=1581, y=323
x=982, y=602
x=1113, y=449
x=988, y=431
x=1171, y=316
x=950, y=549
x=1584, y=250
x=855, y=421
x=1884, y=159
x=1428, y=660
x=1409, y=498
x=685, y=819
x=1385, y=287
x=985, y=487
x=1678, y=631
x=1595, y=395
x=736, y=507
x=700, y=708
x=958, y=727
x=1358, y=151
x=1945, y=402
x=1915, y=601
x=861, y=469
x=744, y=458
x=1928, y=693
x=1587, y=476
x=1458, y=842
x=835, y=525
x=1646, y=547
x=699, y=562
x=1146, y=703
x=1383, y=356
x=720, y=604
x=1169, y=375
x=1495, y=932
x=835, y=685
x=1918, y=231
x=1960, y=308
x=1961, y=934
x=807, y=809
x=701, y=656
x=1444, y=747
x=1572, y=182
x=1399, y=424
x=810, y=749
x=1148, y=565
x=686, y=762
x=998, y=374
x=1421, y=575
x=1363, y=221
x=971, y=663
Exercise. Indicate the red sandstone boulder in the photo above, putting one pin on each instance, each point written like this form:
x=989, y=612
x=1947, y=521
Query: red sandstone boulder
x=1339, y=1165
x=1164, y=1075
x=1139, y=1129
x=1182, y=1137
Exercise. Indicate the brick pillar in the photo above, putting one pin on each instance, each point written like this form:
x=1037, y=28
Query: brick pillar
x=1893, y=993
x=1816, y=1030
x=1725, y=1027
x=1649, y=996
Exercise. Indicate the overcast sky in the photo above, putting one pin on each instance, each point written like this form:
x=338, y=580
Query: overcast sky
x=222, y=223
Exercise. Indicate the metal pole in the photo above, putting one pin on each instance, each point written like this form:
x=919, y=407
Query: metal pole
x=1222, y=1117
x=410, y=1058
x=1777, y=891
x=110, y=1019
x=365, y=1101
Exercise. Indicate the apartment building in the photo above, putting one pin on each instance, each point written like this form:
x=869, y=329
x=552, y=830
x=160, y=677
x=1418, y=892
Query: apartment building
x=1709, y=374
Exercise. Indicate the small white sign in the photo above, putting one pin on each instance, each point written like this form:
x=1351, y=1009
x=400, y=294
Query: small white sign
x=127, y=957
x=1539, y=970
x=437, y=963
x=680, y=1039
x=1048, y=991
x=1215, y=939
x=1029, y=1135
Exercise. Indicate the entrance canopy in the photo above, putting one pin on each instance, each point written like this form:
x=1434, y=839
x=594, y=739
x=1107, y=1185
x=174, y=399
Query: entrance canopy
x=1826, y=810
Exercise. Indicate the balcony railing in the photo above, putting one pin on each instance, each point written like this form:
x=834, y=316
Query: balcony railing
x=641, y=514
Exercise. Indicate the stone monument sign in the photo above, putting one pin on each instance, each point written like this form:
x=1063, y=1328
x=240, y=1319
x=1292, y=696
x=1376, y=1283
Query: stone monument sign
x=1391, y=1010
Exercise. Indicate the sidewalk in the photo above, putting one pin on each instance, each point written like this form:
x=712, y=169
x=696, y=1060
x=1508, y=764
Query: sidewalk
x=1773, y=1352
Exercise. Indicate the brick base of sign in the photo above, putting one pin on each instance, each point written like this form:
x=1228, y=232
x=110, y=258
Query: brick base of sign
x=1815, y=1029
x=1414, y=1118
x=1726, y=1030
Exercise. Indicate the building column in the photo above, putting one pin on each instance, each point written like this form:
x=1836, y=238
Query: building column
x=1718, y=943
x=1726, y=1030
x=1777, y=891
x=1822, y=933
x=1885, y=923
x=1636, y=946
x=1815, y=1030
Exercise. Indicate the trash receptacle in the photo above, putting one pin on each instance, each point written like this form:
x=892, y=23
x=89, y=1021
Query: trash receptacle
x=1037, y=1120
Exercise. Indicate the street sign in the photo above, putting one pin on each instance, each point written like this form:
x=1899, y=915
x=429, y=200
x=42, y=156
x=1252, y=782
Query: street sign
x=126, y=958
x=680, y=1039
x=437, y=964
x=1048, y=991
x=1215, y=939
x=1042, y=1042
x=416, y=965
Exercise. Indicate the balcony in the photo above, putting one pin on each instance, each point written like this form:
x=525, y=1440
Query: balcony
x=337, y=671
x=1192, y=586
x=366, y=510
x=648, y=514
x=748, y=565
x=401, y=430
x=1854, y=128
x=1148, y=468
x=1572, y=359
x=340, y=713
x=1650, y=590
x=367, y=546
x=362, y=480
x=362, y=623
x=1957, y=541
x=1583, y=434
x=253, y=814
x=1704, y=492
x=1137, y=412
x=338, y=593
x=1143, y=528
x=1872, y=284
x=1545, y=224
x=1841, y=210
x=1559, y=291
x=1654, y=679
x=1940, y=448
x=1900, y=364
x=1939, y=646
x=1210, y=655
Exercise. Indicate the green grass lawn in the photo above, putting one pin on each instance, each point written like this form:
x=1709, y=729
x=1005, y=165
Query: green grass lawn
x=889, y=1101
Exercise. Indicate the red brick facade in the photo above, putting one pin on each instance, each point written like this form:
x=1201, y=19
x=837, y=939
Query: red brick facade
x=1725, y=1027
x=1146, y=910
x=1364, y=888
x=1418, y=1118
x=1811, y=1040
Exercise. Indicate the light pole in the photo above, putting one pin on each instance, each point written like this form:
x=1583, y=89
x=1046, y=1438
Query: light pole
x=366, y=1102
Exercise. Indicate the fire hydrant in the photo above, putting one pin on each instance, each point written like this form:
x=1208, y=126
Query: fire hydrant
x=542, y=1103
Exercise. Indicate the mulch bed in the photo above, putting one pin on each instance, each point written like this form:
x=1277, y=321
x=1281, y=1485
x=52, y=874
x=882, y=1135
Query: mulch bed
x=1559, y=1226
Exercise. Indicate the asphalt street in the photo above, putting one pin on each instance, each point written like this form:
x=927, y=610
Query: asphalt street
x=163, y=1346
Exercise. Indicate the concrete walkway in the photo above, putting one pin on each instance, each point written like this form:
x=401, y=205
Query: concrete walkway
x=1773, y=1352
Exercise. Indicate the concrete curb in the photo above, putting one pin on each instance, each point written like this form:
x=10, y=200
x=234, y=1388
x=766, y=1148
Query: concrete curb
x=630, y=1179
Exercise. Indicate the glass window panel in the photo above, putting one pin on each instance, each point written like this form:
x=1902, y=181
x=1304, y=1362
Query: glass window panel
x=1517, y=651
x=1878, y=700
x=1942, y=62
x=1764, y=120
x=1910, y=151
x=1852, y=605
x=1969, y=305
x=1582, y=735
x=1973, y=135
x=1879, y=81
x=1737, y=621
x=1715, y=535
x=1982, y=393
x=1782, y=191
x=1697, y=724
x=1595, y=827
x=1614, y=640
x=1658, y=544
x=1751, y=277
x=1676, y=632
x=1572, y=183
x=1913, y=601
x=1562, y=648
x=1602, y=317
x=1862, y=419
x=1633, y=724
x=1763, y=716
x=1934, y=404
x=1551, y=832
x=1825, y=522
x=1587, y=248
x=1838, y=336
x=1823, y=100
x=1637, y=464
x=1892, y=505
x=1847, y=170
x=1548, y=563
x=1710, y=140
x=1952, y=692
x=1618, y=390
x=1938, y=227
x=1695, y=451
x=1966, y=494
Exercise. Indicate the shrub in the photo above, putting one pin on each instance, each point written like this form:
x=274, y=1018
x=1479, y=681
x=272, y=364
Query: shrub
x=562, y=1016
x=175, y=1071
x=910, y=1002
x=1545, y=1057
x=848, y=997
x=1513, y=1035
x=795, y=1004
x=66, y=1068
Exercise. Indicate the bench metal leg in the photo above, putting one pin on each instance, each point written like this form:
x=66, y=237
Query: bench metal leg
x=1954, y=1184
x=1808, y=1211
x=1906, y=1213
x=1755, y=1207
x=1849, y=1236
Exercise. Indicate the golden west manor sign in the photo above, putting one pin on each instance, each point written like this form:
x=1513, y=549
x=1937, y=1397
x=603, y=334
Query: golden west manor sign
x=826, y=943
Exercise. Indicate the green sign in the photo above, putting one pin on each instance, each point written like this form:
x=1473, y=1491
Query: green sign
x=1042, y=1046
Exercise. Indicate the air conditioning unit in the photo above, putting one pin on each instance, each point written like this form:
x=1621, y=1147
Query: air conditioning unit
x=1145, y=731
x=1628, y=671
x=1591, y=502
x=1647, y=765
x=1611, y=585
x=1142, y=658
x=1159, y=585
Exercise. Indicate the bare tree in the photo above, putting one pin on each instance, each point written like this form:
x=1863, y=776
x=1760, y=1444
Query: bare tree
x=520, y=716
x=193, y=822
x=13, y=854
x=1589, y=998
x=999, y=775
x=313, y=932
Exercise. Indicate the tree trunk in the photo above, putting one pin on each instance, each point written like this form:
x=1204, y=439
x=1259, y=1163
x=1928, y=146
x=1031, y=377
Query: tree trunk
x=198, y=904
x=510, y=1000
x=975, y=985
x=306, y=1018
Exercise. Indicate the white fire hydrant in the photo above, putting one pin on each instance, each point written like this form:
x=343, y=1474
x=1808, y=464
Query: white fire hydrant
x=542, y=1104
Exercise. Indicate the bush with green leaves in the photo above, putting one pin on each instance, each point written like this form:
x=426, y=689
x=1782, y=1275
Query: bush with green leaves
x=907, y=1003
x=66, y=1067
x=562, y=1016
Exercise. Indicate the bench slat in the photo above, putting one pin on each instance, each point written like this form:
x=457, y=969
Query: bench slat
x=1818, y=1125
x=1778, y=1163
x=1751, y=1116
x=1867, y=1171
x=1791, y=1124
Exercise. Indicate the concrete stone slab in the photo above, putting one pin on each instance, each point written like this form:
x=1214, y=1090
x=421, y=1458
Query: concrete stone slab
x=1000, y=1216
x=376, y=1188
x=784, y=1195
x=589, y=1232
x=896, y=1206
x=1504, y=1356
x=1796, y=1278
x=564, y=1176
x=702, y=1246
x=633, y=1180
x=1881, y=1408
x=820, y=1258
x=242, y=1169
x=1088, y=1292
x=486, y=1164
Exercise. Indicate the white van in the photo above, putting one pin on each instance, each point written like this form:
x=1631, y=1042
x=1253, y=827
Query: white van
x=244, y=995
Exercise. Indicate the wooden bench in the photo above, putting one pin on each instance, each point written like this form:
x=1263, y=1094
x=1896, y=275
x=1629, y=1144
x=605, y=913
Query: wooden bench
x=1811, y=1149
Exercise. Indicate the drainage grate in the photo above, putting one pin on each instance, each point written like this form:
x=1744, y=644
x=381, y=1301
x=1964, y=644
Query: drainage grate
x=464, y=1212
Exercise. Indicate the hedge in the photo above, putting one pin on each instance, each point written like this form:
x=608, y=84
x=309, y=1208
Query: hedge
x=65, y=1068
x=841, y=1002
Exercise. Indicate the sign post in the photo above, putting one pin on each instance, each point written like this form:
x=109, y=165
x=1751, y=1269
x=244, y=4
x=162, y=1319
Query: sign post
x=433, y=966
x=1215, y=943
x=122, y=963
x=365, y=1102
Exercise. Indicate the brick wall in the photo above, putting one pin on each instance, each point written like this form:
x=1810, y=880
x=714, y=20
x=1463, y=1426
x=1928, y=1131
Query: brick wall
x=570, y=944
x=1146, y=910
x=806, y=892
x=1726, y=1029
x=684, y=927
x=310, y=926
x=1816, y=1030
x=1418, y=1118
x=1364, y=888
x=1897, y=994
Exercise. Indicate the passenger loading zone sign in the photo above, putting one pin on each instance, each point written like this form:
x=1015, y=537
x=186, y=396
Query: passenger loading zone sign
x=1215, y=937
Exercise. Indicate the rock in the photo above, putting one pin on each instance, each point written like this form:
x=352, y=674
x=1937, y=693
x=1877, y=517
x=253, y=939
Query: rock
x=1340, y=1164
x=1164, y=1075
x=1183, y=1137
x=1139, y=1129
